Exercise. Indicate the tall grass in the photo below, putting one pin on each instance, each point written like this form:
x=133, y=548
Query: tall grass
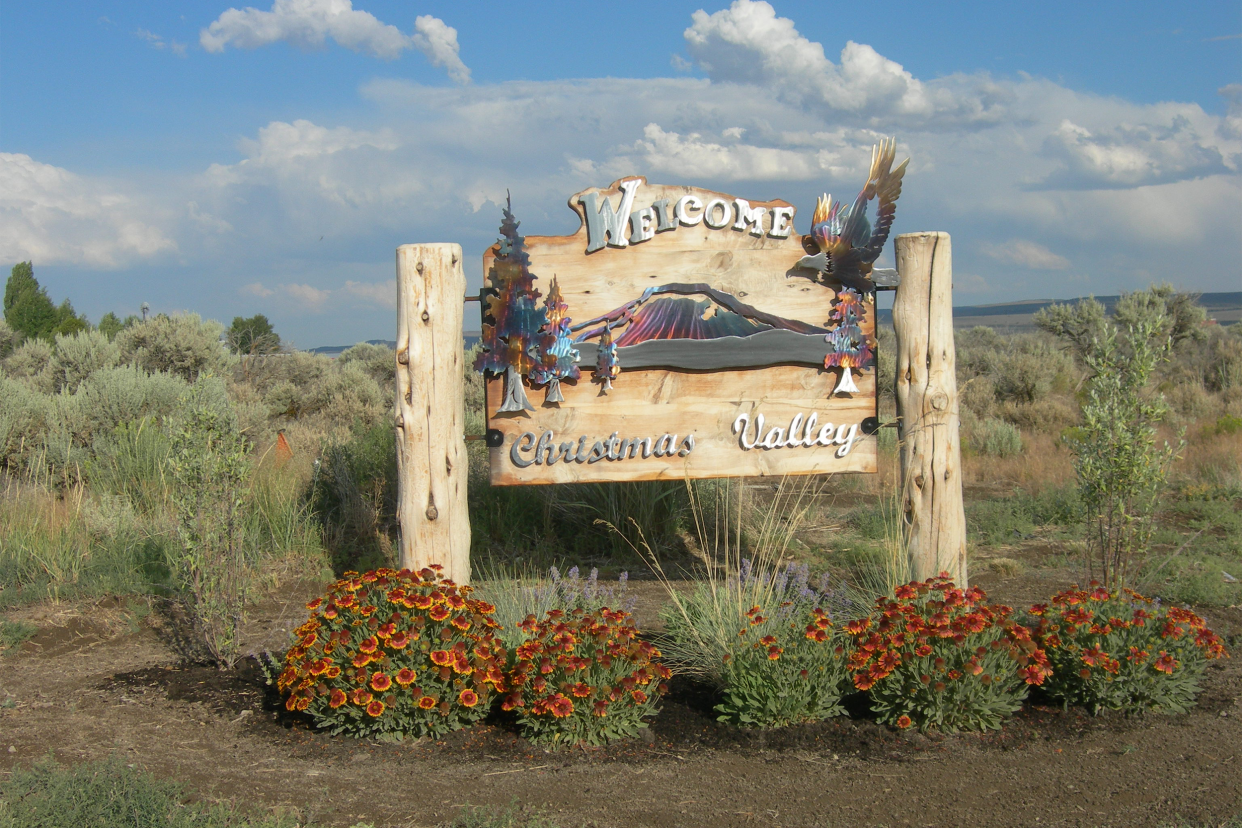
x=75, y=545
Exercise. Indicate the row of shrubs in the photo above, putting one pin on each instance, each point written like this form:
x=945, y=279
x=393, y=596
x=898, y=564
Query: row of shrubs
x=398, y=653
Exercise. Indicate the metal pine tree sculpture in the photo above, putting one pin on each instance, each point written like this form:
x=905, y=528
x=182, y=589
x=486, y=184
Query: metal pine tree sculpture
x=514, y=333
x=851, y=350
x=558, y=359
x=607, y=366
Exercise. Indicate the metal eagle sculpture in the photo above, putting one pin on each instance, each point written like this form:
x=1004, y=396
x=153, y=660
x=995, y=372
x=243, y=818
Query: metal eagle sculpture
x=848, y=245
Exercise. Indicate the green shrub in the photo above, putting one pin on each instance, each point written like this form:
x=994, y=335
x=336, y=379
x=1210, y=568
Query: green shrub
x=379, y=362
x=1116, y=650
x=993, y=437
x=394, y=654
x=936, y=656
x=81, y=354
x=31, y=363
x=24, y=416
x=584, y=676
x=9, y=339
x=1227, y=424
x=354, y=493
x=210, y=464
x=785, y=668
x=110, y=794
x=125, y=394
x=184, y=345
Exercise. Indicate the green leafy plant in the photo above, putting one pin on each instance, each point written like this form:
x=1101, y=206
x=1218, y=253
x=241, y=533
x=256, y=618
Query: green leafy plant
x=786, y=668
x=13, y=633
x=394, y=653
x=1120, y=468
x=584, y=676
x=111, y=794
x=1117, y=650
x=936, y=656
x=210, y=464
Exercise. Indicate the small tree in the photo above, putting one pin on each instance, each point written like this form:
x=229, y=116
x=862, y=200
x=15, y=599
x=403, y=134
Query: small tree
x=253, y=337
x=557, y=358
x=1120, y=467
x=210, y=464
x=511, y=340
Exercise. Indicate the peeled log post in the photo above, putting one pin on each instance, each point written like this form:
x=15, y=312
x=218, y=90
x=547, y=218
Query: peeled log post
x=430, y=423
x=927, y=408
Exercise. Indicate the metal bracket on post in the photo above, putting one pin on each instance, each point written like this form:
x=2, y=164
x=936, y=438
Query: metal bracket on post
x=885, y=278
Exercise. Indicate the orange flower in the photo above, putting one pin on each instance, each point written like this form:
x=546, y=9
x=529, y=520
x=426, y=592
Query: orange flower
x=375, y=708
x=438, y=612
x=427, y=702
x=511, y=701
x=461, y=622
x=337, y=698
x=380, y=682
x=399, y=641
x=361, y=697
x=774, y=653
x=904, y=722
x=368, y=645
x=468, y=698
x=581, y=690
x=333, y=672
x=361, y=660
x=638, y=696
x=441, y=658
x=560, y=707
x=406, y=677
x=1165, y=663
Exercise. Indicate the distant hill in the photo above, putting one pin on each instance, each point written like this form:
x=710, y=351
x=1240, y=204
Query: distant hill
x=1225, y=308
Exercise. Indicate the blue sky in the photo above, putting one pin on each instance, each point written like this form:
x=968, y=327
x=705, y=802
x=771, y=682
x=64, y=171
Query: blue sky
x=233, y=160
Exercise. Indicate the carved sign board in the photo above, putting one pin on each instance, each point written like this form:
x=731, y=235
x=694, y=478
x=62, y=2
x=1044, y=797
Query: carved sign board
x=674, y=335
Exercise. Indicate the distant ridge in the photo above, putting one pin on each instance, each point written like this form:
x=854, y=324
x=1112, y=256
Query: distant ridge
x=1224, y=308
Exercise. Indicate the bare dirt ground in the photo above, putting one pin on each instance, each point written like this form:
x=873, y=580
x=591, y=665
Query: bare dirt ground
x=96, y=680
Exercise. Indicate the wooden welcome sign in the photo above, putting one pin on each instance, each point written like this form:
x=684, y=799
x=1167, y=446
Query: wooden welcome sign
x=685, y=333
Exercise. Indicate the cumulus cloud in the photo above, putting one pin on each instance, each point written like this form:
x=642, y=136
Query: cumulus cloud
x=379, y=293
x=692, y=156
x=256, y=289
x=1024, y=253
x=747, y=43
x=438, y=41
x=51, y=216
x=1131, y=155
x=309, y=24
x=305, y=296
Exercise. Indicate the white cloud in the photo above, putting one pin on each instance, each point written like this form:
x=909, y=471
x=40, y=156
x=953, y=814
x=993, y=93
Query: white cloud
x=309, y=24
x=50, y=215
x=692, y=157
x=157, y=42
x=305, y=296
x=1132, y=155
x=256, y=289
x=747, y=43
x=380, y=293
x=438, y=41
x=1024, y=253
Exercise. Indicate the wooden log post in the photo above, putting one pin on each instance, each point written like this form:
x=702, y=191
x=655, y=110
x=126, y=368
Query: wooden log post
x=927, y=408
x=430, y=420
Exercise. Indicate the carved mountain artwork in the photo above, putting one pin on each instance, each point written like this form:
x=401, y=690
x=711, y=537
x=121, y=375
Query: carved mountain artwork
x=680, y=333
